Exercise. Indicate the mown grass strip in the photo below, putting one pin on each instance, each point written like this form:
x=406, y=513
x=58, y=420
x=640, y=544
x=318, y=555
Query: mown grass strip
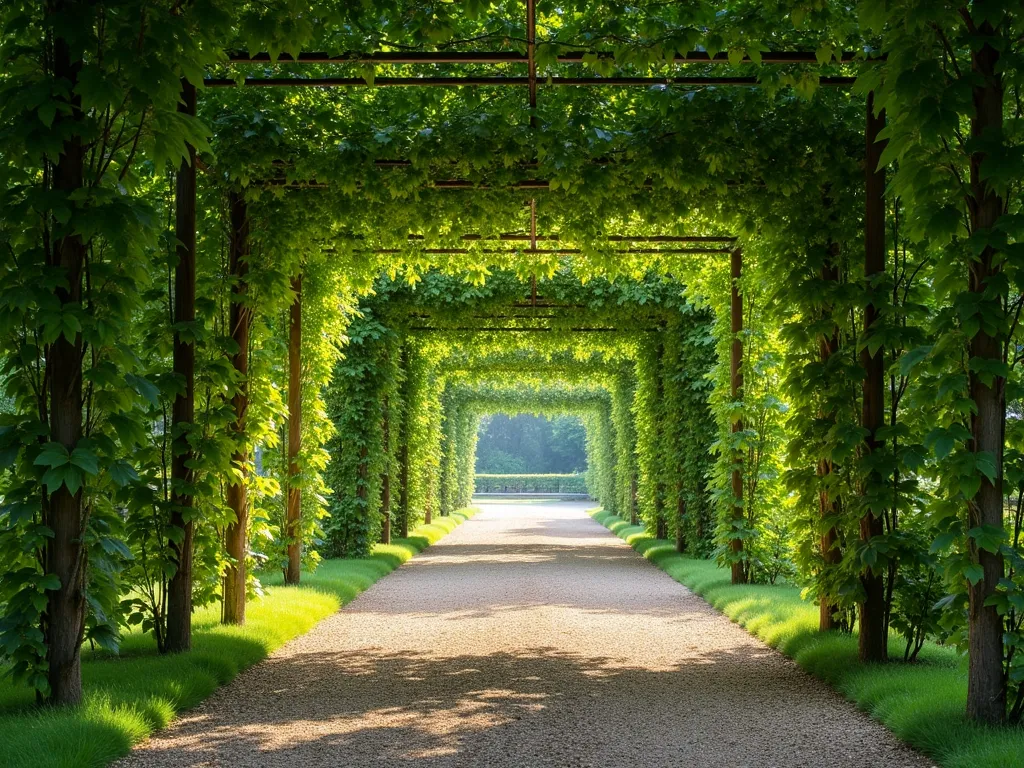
x=921, y=703
x=130, y=695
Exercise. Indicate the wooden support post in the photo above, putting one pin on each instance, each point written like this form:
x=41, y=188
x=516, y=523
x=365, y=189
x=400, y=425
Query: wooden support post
x=827, y=504
x=680, y=518
x=403, y=488
x=179, y=589
x=660, y=527
x=385, y=479
x=294, y=505
x=739, y=570
x=634, y=516
x=874, y=632
x=64, y=554
x=236, y=541
x=986, y=683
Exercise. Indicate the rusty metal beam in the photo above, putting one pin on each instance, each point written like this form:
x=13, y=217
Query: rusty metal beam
x=510, y=57
x=496, y=81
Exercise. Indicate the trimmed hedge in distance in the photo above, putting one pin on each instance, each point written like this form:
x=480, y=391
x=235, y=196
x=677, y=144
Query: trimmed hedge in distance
x=575, y=483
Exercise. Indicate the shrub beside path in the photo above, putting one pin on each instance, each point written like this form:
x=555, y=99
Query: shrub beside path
x=530, y=636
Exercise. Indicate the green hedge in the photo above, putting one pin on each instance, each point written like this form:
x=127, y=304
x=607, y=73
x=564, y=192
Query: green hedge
x=129, y=696
x=531, y=484
x=922, y=703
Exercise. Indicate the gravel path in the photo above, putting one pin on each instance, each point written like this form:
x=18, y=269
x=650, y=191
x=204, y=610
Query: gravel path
x=528, y=637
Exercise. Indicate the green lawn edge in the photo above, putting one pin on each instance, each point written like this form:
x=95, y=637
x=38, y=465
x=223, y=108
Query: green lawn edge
x=130, y=695
x=922, y=703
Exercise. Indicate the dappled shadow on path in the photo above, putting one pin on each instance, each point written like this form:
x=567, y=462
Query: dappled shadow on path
x=541, y=706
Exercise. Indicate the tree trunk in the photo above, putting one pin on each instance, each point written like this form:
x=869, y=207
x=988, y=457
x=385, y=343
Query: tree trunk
x=179, y=589
x=385, y=478
x=634, y=518
x=659, y=484
x=64, y=556
x=739, y=571
x=986, y=684
x=874, y=633
x=403, y=489
x=827, y=504
x=236, y=539
x=680, y=519
x=294, y=508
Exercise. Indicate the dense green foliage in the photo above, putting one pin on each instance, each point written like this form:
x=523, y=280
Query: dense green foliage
x=413, y=333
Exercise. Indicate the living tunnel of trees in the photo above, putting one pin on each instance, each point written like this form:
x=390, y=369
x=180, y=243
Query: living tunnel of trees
x=252, y=303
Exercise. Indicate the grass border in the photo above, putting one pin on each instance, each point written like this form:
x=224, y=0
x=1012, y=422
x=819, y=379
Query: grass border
x=922, y=703
x=131, y=695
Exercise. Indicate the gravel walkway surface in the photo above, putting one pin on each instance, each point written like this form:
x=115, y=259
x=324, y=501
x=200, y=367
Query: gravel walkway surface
x=528, y=637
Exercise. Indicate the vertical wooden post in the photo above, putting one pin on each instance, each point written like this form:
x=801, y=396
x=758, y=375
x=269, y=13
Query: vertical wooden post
x=65, y=556
x=739, y=570
x=827, y=504
x=236, y=539
x=634, y=518
x=660, y=527
x=874, y=634
x=986, y=683
x=385, y=479
x=294, y=506
x=680, y=517
x=179, y=589
x=403, y=489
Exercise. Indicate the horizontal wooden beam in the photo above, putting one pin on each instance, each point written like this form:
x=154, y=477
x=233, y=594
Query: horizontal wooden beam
x=509, y=57
x=496, y=81
x=517, y=237
x=499, y=329
x=558, y=251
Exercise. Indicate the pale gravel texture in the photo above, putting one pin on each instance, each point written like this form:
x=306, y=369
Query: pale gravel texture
x=528, y=637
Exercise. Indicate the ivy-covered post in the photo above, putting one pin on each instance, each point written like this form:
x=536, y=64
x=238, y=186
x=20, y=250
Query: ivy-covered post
x=986, y=681
x=293, y=510
x=634, y=505
x=179, y=587
x=240, y=319
x=874, y=632
x=739, y=572
x=828, y=345
x=65, y=554
x=403, y=444
x=385, y=479
x=660, y=523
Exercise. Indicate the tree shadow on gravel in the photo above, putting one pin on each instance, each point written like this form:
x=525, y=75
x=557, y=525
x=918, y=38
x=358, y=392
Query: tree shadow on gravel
x=535, y=707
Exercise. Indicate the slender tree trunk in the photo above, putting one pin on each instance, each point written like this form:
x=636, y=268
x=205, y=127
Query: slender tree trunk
x=680, y=519
x=634, y=518
x=874, y=633
x=294, y=509
x=660, y=531
x=828, y=505
x=986, y=683
x=403, y=490
x=739, y=570
x=363, y=479
x=65, y=556
x=179, y=588
x=236, y=538
x=385, y=478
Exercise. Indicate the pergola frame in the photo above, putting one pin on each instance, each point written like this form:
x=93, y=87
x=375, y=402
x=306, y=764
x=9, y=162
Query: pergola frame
x=874, y=263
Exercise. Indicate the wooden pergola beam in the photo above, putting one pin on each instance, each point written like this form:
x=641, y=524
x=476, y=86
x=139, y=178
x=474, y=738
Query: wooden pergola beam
x=508, y=57
x=517, y=237
x=499, y=81
x=558, y=251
